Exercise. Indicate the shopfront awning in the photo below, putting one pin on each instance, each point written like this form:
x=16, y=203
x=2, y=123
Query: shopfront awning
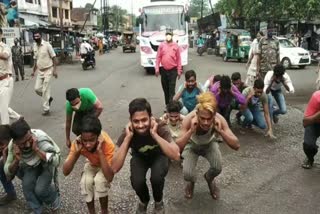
x=30, y=21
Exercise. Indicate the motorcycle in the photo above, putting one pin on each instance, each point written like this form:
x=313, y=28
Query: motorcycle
x=88, y=60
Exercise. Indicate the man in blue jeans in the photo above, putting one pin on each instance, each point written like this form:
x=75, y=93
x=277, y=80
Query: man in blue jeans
x=7, y=185
x=273, y=82
x=34, y=157
x=252, y=114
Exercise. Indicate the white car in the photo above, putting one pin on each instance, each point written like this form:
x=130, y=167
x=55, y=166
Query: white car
x=290, y=55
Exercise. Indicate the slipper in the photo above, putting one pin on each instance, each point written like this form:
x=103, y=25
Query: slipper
x=307, y=164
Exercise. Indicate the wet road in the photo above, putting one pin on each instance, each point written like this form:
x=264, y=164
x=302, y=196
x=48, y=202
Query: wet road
x=263, y=177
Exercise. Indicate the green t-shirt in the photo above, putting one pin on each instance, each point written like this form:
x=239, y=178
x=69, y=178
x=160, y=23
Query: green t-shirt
x=263, y=99
x=88, y=99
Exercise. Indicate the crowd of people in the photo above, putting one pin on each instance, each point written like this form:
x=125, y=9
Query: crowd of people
x=196, y=119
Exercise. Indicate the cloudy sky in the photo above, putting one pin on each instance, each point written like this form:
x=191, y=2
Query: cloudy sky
x=126, y=4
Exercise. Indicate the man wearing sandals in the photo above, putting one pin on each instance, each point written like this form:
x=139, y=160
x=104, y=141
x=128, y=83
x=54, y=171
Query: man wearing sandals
x=311, y=123
x=199, y=138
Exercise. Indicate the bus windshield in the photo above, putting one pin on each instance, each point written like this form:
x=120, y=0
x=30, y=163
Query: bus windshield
x=161, y=18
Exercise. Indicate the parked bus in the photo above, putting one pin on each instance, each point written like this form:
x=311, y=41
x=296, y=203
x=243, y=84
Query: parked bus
x=156, y=18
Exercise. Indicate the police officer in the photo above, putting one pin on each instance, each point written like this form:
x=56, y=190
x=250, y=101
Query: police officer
x=17, y=59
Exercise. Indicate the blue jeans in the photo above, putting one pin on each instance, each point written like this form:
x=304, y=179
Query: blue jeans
x=253, y=115
x=281, y=102
x=37, y=186
x=7, y=185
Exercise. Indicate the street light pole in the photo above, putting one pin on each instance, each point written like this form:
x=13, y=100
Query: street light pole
x=61, y=29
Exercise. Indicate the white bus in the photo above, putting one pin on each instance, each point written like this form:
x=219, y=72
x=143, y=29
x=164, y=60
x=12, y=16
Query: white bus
x=156, y=17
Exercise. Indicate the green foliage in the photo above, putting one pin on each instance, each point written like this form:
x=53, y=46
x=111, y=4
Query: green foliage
x=195, y=8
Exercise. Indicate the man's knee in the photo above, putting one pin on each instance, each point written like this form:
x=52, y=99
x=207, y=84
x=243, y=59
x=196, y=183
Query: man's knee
x=41, y=191
x=101, y=184
x=214, y=171
x=189, y=175
x=137, y=181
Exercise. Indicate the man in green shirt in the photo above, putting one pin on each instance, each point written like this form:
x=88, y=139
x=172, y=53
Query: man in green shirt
x=82, y=101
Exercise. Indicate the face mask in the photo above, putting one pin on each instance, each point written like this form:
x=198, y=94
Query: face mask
x=37, y=40
x=77, y=107
x=270, y=35
x=168, y=38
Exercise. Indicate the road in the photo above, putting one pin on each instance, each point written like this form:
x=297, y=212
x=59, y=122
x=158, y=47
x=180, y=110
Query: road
x=263, y=177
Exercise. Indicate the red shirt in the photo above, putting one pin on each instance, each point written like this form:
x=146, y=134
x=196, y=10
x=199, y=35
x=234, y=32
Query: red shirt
x=313, y=105
x=169, y=57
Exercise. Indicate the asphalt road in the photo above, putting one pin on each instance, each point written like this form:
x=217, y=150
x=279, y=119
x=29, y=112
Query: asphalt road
x=263, y=177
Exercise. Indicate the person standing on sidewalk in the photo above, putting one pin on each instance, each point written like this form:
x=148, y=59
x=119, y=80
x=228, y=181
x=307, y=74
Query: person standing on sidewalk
x=311, y=123
x=45, y=65
x=8, y=187
x=17, y=59
x=151, y=146
x=169, y=57
x=5, y=54
x=198, y=137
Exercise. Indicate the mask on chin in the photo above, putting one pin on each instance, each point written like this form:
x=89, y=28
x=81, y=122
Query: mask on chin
x=168, y=38
x=37, y=40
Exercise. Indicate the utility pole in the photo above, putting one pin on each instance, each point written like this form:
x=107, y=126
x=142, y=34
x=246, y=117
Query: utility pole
x=61, y=28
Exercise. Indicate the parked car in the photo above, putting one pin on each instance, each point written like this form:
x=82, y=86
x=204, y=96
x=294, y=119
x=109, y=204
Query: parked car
x=290, y=55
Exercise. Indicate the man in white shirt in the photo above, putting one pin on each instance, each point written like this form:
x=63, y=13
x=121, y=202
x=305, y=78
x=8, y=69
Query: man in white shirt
x=273, y=82
x=85, y=47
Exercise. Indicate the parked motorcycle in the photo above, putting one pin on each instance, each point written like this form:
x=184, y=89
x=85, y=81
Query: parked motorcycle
x=88, y=60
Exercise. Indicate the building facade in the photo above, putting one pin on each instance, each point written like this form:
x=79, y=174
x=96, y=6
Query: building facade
x=33, y=12
x=58, y=9
x=83, y=18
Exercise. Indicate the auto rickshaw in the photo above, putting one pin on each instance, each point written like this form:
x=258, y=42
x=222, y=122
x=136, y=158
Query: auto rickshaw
x=128, y=41
x=235, y=45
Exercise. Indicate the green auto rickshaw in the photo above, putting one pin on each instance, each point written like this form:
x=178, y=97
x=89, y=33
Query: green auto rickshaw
x=237, y=45
x=129, y=41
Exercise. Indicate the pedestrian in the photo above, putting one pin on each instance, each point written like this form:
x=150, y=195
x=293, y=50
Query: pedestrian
x=273, y=82
x=168, y=56
x=83, y=102
x=200, y=44
x=188, y=92
x=17, y=59
x=255, y=97
x=8, y=187
x=5, y=54
x=318, y=79
x=46, y=67
x=97, y=147
x=100, y=45
x=34, y=157
x=311, y=123
x=173, y=118
x=77, y=45
x=269, y=54
x=225, y=94
x=151, y=148
x=12, y=114
x=253, y=62
x=198, y=138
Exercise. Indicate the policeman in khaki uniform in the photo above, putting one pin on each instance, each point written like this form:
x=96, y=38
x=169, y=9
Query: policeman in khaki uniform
x=45, y=65
x=5, y=54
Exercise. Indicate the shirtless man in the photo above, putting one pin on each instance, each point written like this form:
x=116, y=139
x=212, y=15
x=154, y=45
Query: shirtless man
x=199, y=138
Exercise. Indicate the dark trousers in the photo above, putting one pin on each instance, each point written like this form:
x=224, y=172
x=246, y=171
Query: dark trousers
x=77, y=120
x=7, y=185
x=168, y=82
x=225, y=112
x=139, y=165
x=311, y=134
x=18, y=68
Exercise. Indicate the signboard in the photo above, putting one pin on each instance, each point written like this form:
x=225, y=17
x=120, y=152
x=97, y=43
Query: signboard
x=11, y=32
x=163, y=9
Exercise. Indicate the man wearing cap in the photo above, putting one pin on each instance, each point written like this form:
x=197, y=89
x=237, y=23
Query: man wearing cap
x=5, y=54
x=45, y=65
x=169, y=57
x=17, y=59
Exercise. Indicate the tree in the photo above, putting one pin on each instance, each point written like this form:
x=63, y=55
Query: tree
x=195, y=8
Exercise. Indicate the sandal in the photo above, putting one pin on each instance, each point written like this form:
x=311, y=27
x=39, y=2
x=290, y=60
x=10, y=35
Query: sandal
x=214, y=190
x=189, y=190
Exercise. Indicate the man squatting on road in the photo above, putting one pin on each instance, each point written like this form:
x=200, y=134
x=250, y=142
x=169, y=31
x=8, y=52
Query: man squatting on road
x=198, y=137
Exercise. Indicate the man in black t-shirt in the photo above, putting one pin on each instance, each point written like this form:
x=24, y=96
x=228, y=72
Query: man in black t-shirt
x=152, y=146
